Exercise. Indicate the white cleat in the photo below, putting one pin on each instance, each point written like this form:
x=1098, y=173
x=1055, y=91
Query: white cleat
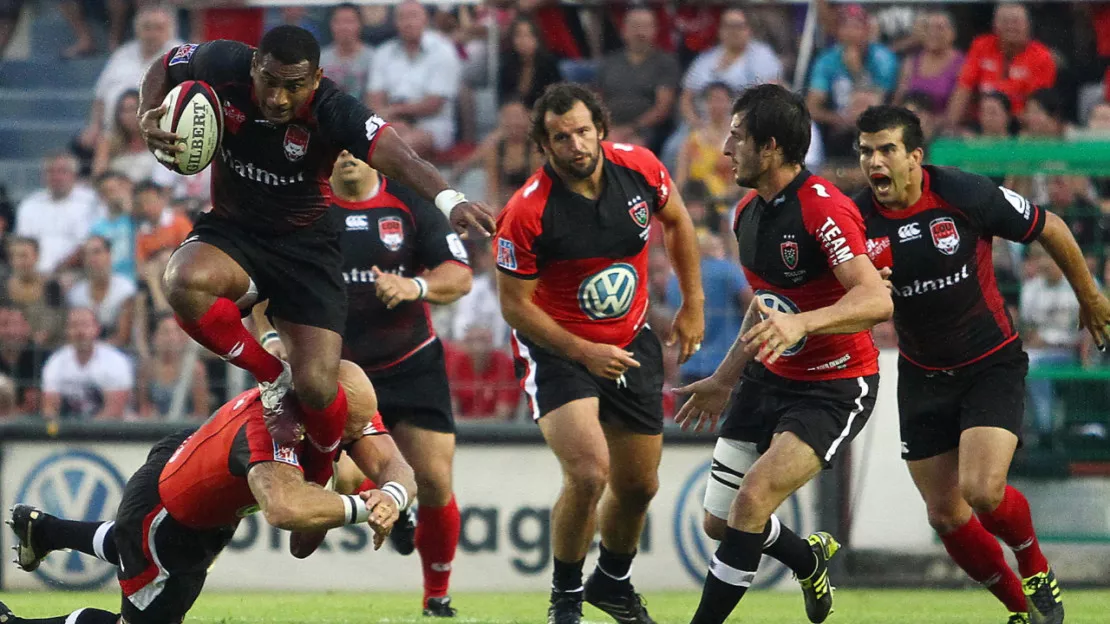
x=272, y=392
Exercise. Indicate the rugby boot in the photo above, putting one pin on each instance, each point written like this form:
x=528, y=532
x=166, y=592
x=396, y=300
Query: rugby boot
x=816, y=590
x=566, y=608
x=284, y=428
x=1042, y=594
x=6, y=615
x=403, y=535
x=616, y=598
x=439, y=607
x=28, y=555
x=1018, y=618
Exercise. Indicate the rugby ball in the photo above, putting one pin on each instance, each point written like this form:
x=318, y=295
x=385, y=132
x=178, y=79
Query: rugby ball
x=193, y=113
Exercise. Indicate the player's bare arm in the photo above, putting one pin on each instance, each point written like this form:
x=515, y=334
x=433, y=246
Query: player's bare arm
x=688, y=328
x=152, y=90
x=866, y=303
x=266, y=333
x=395, y=159
x=709, y=396
x=523, y=315
x=1094, y=309
x=289, y=503
x=445, y=284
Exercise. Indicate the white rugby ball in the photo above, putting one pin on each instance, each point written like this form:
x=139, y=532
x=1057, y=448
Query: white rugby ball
x=193, y=113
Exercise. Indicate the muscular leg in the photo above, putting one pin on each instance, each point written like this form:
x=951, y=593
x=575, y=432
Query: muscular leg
x=80, y=616
x=633, y=482
x=202, y=285
x=967, y=542
x=575, y=436
x=985, y=455
x=314, y=359
x=431, y=454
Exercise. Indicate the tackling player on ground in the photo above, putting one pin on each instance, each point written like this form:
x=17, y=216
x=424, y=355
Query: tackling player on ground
x=181, y=508
x=813, y=381
x=961, y=373
x=270, y=234
x=399, y=255
x=572, y=251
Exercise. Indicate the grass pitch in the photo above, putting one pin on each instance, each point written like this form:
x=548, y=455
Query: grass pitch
x=852, y=607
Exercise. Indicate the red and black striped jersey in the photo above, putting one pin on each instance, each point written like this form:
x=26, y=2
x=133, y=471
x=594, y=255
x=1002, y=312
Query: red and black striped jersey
x=399, y=232
x=590, y=256
x=268, y=177
x=948, y=311
x=789, y=247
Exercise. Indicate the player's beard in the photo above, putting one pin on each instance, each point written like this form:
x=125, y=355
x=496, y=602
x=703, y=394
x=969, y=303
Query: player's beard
x=579, y=171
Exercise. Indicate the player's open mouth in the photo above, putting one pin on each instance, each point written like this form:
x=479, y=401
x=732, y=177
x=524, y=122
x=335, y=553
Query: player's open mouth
x=881, y=183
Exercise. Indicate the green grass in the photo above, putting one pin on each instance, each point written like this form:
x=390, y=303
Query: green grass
x=852, y=606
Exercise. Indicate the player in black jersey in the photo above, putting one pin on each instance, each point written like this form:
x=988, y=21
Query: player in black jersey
x=399, y=255
x=270, y=234
x=961, y=374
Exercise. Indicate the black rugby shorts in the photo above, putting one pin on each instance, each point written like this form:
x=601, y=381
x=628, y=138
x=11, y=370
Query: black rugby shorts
x=636, y=403
x=415, y=391
x=935, y=407
x=826, y=415
x=300, y=272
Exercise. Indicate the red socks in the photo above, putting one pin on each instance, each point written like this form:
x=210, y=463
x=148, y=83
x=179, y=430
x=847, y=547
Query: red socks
x=975, y=550
x=437, y=536
x=324, y=427
x=1012, y=522
x=221, y=331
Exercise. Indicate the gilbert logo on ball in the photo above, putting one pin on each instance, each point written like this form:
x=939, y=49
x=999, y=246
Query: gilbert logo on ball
x=193, y=113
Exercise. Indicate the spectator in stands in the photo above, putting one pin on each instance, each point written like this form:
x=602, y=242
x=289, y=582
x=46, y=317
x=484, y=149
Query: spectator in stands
x=20, y=359
x=996, y=117
x=526, y=67
x=116, y=193
x=160, y=227
x=154, y=36
x=161, y=373
x=640, y=82
x=58, y=216
x=1043, y=116
x=86, y=379
x=9, y=20
x=507, y=154
x=854, y=63
x=415, y=80
x=76, y=13
x=727, y=296
x=1067, y=198
x=840, y=141
x=109, y=295
x=1050, y=330
x=1028, y=64
x=921, y=105
x=701, y=157
x=299, y=16
x=122, y=149
x=347, y=60
x=483, y=385
x=39, y=296
x=480, y=306
x=934, y=70
x=1099, y=119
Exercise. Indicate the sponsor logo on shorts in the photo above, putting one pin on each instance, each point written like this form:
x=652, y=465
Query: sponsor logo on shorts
x=296, y=142
x=183, y=55
x=506, y=254
x=608, y=294
x=945, y=235
x=392, y=232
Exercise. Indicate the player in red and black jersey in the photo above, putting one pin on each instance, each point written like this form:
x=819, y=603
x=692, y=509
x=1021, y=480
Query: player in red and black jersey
x=399, y=255
x=961, y=374
x=571, y=247
x=270, y=234
x=181, y=508
x=813, y=381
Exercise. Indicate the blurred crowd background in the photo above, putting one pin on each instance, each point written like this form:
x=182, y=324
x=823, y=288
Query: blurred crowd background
x=88, y=218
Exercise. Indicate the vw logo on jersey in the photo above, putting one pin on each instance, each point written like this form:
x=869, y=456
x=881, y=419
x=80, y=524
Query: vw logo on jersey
x=609, y=294
x=776, y=301
x=695, y=549
x=77, y=485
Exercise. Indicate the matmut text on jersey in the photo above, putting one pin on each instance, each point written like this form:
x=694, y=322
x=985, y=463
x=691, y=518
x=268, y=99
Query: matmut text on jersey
x=789, y=247
x=273, y=178
x=590, y=256
x=401, y=233
x=948, y=311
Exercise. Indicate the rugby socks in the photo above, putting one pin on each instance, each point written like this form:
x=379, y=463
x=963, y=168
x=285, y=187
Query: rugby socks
x=221, y=331
x=324, y=427
x=1012, y=522
x=437, y=537
x=789, y=548
x=80, y=616
x=91, y=538
x=567, y=577
x=615, y=566
x=975, y=550
x=730, y=574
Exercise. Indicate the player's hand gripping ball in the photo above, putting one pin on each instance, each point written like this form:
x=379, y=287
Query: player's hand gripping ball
x=190, y=124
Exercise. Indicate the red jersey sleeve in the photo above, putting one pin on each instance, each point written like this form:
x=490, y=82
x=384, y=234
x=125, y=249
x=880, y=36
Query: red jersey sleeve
x=646, y=163
x=518, y=226
x=833, y=220
x=969, y=73
x=263, y=448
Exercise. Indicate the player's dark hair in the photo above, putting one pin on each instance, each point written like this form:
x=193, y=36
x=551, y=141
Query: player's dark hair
x=558, y=99
x=886, y=117
x=774, y=112
x=290, y=45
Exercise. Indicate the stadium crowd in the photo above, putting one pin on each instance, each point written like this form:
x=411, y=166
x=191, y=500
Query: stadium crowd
x=86, y=332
